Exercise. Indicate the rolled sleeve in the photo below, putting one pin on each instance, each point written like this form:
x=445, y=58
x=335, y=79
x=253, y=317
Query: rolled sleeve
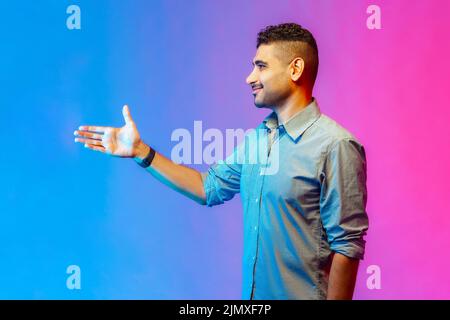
x=344, y=197
x=223, y=179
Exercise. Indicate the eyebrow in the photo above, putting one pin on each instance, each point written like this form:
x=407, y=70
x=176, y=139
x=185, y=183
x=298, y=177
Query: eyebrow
x=259, y=62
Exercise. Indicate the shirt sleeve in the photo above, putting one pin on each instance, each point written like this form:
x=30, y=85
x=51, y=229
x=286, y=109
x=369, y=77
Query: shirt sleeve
x=222, y=180
x=343, y=198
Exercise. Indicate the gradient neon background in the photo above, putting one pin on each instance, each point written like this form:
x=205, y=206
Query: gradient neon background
x=175, y=62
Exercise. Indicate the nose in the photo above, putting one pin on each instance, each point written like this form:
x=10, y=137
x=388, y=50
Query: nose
x=251, y=78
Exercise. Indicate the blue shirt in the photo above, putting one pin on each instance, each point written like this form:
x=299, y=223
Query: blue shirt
x=303, y=199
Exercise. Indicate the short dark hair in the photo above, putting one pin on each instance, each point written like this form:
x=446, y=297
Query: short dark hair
x=301, y=43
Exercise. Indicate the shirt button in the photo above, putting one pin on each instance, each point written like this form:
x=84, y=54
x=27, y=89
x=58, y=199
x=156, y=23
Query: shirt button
x=255, y=228
x=256, y=200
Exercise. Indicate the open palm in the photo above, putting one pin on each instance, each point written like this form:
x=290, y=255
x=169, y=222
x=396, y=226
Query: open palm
x=120, y=142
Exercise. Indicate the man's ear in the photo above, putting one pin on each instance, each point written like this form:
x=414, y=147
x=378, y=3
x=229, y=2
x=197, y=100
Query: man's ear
x=296, y=68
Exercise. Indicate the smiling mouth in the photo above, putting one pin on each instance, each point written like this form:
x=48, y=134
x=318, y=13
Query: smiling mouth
x=256, y=90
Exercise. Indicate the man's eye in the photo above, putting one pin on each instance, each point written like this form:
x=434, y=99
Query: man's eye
x=260, y=66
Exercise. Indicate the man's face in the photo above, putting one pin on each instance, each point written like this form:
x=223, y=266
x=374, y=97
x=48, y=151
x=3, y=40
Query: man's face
x=270, y=80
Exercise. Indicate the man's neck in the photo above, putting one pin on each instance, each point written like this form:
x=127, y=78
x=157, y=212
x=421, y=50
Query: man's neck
x=295, y=103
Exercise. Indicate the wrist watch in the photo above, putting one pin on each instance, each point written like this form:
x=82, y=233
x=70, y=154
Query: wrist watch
x=147, y=161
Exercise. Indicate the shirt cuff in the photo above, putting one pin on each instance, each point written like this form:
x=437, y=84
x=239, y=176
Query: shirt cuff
x=208, y=187
x=352, y=249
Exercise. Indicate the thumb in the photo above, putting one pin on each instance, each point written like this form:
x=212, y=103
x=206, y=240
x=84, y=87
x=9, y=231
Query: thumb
x=127, y=115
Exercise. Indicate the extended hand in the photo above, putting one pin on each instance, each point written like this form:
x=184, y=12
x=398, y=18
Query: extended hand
x=121, y=142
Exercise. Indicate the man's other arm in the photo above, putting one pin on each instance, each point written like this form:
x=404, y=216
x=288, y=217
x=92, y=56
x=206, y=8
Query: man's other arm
x=342, y=278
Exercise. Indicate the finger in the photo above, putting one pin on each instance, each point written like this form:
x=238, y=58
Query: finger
x=127, y=115
x=94, y=128
x=89, y=135
x=96, y=148
x=89, y=141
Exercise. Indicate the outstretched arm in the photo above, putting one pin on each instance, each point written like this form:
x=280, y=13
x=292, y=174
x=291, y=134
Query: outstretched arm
x=125, y=142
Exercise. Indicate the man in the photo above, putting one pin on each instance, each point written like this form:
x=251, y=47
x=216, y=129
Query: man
x=304, y=223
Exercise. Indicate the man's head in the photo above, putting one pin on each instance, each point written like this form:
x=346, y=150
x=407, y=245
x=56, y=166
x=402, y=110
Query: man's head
x=286, y=61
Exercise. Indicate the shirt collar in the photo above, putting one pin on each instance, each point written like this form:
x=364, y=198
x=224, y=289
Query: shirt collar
x=297, y=124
